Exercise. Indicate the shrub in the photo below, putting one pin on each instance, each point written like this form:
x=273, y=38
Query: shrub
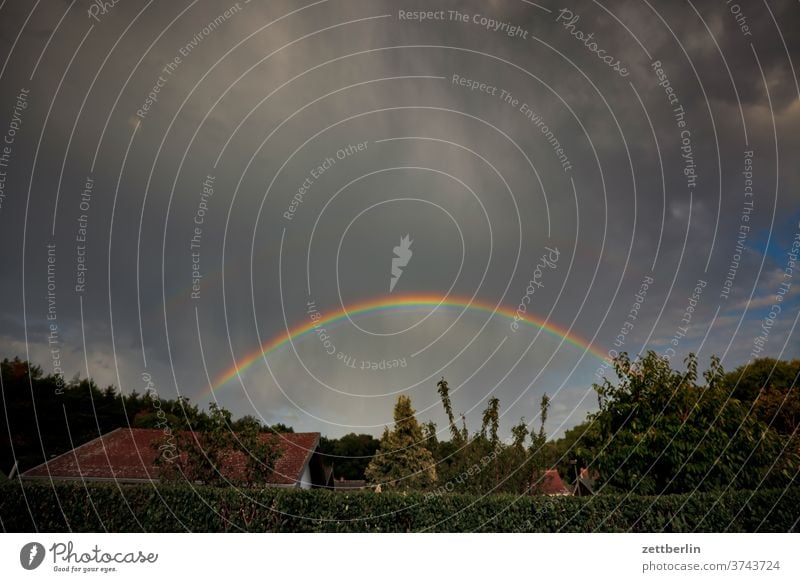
x=176, y=508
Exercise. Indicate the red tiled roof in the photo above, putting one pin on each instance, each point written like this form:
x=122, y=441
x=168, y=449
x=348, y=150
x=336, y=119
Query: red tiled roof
x=297, y=449
x=552, y=484
x=130, y=455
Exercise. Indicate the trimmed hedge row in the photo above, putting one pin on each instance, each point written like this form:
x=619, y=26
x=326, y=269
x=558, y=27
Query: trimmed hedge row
x=170, y=508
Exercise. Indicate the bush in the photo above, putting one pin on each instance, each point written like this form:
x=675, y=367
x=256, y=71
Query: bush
x=176, y=508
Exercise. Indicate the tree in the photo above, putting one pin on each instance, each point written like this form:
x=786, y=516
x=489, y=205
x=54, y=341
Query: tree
x=538, y=448
x=209, y=455
x=772, y=387
x=747, y=381
x=482, y=463
x=444, y=394
x=514, y=461
x=662, y=432
x=281, y=428
x=491, y=422
x=519, y=433
x=431, y=440
x=402, y=460
x=576, y=444
x=48, y=416
x=779, y=407
x=349, y=454
x=247, y=422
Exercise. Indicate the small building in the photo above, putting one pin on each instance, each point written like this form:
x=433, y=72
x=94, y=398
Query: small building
x=584, y=485
x=549, y=484
x=129, y=455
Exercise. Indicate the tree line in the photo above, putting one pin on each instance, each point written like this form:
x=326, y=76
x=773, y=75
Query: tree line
x=47, y=416
x=656, y=430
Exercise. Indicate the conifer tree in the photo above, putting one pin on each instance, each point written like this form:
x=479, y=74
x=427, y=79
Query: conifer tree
x=403, y=461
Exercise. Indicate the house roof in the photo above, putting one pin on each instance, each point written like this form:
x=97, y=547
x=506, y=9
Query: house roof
x=129, y=454
x=552, y=484
x=582, y=488
x=584, y=485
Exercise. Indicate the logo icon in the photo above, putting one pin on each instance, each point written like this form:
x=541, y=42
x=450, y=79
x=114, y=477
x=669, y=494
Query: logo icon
x=31, y=555
x=402, y=256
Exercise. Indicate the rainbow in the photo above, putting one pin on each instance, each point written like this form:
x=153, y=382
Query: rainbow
x=397, y=303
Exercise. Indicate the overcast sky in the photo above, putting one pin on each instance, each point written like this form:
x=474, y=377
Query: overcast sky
x=203, y=171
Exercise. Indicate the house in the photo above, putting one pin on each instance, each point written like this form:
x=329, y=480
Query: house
x=551, y=484
x=129, y=455
x=584, y=485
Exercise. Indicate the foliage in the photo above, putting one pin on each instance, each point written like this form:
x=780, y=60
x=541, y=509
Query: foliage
x=48, y=416
x=747, y=381
x=538, y=449
x=205, y=453
x=779, y=407
x=772, y=386
x=657, y=430
x=491, y=422
x=430, y=438
x=68, y=507
x=280, y=428
x=444, y=394
x=402, y=460
x=349, y=454
x=519, y=432
x=36, y=407
x=576, y=445
x=482, y=463
x=662, y=432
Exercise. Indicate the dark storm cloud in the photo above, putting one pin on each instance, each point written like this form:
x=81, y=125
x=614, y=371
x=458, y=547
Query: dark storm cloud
x=203, y=103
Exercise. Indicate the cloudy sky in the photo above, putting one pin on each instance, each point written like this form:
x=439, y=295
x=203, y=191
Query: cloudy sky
x=215, y=193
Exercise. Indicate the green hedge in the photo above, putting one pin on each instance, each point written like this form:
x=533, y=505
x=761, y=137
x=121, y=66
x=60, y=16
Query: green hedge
x=169, y=508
